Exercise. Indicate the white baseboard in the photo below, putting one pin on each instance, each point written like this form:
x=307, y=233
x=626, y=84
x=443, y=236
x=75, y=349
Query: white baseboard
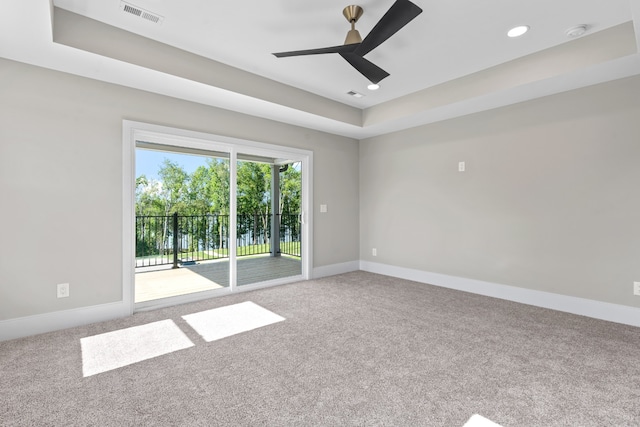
x=48, y=322
x=333, y=269
x=581, y=306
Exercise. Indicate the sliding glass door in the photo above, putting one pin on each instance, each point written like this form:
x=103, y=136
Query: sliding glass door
x=216, y=216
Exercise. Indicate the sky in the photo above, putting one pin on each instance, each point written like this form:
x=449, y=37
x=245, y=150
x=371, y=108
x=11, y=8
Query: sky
x=148, y=162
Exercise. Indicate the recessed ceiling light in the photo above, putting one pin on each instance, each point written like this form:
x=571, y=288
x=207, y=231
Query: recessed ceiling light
x=373, y=86
x=518, y=31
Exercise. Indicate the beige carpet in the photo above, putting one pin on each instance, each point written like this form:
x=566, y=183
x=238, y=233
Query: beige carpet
x=357, y=349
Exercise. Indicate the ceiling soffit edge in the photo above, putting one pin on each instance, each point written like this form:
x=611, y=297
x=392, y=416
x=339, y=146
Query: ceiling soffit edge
x=408, y=111
x=79, y=32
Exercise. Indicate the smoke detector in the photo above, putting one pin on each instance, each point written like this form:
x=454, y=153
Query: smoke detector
x=141, y=13
x=576, y=31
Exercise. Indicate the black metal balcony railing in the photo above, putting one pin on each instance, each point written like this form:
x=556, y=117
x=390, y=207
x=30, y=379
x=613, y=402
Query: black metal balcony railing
x=177, y=239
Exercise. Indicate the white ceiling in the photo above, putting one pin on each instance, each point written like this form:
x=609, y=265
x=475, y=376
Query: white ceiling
x=449, y=40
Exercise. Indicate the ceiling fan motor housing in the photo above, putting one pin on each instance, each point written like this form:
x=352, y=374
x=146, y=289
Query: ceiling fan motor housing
x=353, y=36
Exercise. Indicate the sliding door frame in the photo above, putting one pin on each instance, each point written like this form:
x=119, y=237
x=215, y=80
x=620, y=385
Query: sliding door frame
x=134, y=132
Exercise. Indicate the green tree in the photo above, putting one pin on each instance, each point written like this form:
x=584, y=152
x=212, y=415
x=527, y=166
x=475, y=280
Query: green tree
x=174, y=193
x=175, y=182
x=291, y=199
x=206, y=192
x=218, y=193
x=291, y=189
x=198, y=198
x=218, y=186
x=254, y=199
x=149, y=203
x=149, y=200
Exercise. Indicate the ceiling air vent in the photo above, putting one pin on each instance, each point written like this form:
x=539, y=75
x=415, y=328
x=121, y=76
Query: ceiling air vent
x=140, y=12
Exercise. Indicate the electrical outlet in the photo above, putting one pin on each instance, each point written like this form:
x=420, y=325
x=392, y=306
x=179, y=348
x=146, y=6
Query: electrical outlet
x=63, y=290
x=461, y=166
x=374, y=252
x=636, y=288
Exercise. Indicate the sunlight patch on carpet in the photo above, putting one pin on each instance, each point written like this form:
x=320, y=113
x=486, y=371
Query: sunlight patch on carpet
x=480, y=421
x=230, y=320
x=112, y=350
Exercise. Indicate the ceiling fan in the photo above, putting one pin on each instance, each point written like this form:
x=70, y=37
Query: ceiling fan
x=354, y=48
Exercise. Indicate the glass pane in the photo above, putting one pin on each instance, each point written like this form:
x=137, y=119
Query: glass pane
x=268, y=229
x=182, y=222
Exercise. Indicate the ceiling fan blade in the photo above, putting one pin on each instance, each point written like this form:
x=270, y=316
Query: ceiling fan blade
x=368, y=69
x=345, y=48
x=399, y=14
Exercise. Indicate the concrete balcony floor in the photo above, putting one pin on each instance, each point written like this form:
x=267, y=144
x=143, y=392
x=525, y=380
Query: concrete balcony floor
x=161, y=282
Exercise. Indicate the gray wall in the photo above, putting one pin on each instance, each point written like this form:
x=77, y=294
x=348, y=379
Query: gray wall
x=550, y=200
x=61, y=183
